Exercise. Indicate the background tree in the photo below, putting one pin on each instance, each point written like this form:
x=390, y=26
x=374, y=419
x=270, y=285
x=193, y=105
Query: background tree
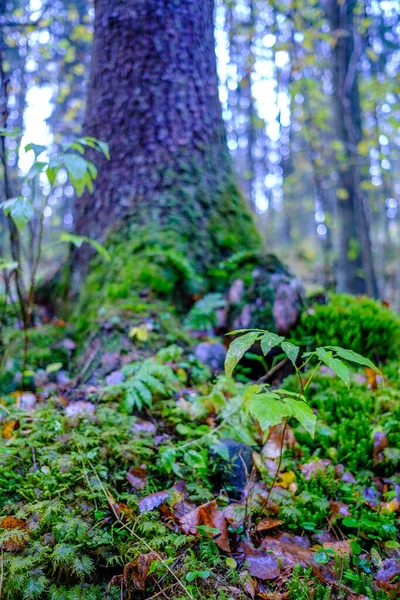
x=153, y=97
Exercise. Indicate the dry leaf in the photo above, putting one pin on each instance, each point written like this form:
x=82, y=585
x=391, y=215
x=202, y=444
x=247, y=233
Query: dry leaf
x=339, y=509
x=137, y=477
x=19, y=542
x=372, y=378
x=268, y=523
x=389, y=570
x=290, y=549
x=380, y=443
x=312, y=469
x=210, y=515
x=152, y=501
x=9, y=428
x=261, y=564
x=138, y=569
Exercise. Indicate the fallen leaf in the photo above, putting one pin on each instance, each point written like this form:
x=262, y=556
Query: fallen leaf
x=312, y=469
x=389, y=570
x=152, y=501
x=210, y=515
x=138, y=569
x=268, y=523
x=286, y=479
x=290, y=549
x=261, y=564
x=339, y=509
x=372, y=378
x=137, y=477
x=17, y=543
x=248, y=583
x=380, y=443
x=9, y=428
x=341, y=547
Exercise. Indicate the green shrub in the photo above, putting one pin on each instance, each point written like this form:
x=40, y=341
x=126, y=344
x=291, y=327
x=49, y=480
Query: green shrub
x=359, y=324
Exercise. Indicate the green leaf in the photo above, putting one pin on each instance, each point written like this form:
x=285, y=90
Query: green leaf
x=78, y=240
x=54, y=367
x=354, y=357
x=321, y=558
x=36, y=168
x=337, y=366
x=270, y=340
x=303, y=413
x=76, y=166
x=291, y=351
x=8, y=264
x=268, y=410
x=350, y=522
x=37, y=149
x=237, y=349
x=20, y=209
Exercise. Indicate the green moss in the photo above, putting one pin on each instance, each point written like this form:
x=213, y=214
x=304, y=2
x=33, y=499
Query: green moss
x=359, y=324
x=44, y=346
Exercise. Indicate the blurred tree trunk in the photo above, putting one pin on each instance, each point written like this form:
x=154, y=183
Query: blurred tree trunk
x=355, y=270
x=153, y=96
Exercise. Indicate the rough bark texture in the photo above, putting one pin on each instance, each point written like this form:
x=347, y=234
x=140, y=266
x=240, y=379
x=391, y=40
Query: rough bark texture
x=355, y=271
x=153, y=96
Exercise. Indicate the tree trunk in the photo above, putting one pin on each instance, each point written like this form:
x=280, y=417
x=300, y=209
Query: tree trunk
x=153, y=96
x=355, y=270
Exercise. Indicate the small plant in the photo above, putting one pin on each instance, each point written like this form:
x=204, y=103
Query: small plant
x=273, y=407
x=28, y=208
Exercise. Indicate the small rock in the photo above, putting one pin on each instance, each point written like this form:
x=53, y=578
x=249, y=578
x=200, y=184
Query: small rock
x=115, y=377
x=79, y=407
x=69, y=344
x=111, y=361
x=62, y=378
x=26, y=400
x=212, y=355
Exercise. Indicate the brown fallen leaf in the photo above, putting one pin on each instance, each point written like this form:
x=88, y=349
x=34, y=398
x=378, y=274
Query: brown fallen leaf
x=341, y=548
x=210, y=515
x=260, y=564
x=9, y=428
x=339, y=509
x=153, y=501
x=137, y=477
x=380, y=443
x=248, y=583
x=389, y=570
x=138, y=570
x=17, y=542
x=290, y=549
x=312, y=469
x=268, y=523
x=372, y=378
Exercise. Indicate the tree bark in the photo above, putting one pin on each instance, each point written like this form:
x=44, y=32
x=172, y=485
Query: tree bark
x=153, y=96
x=355, y=270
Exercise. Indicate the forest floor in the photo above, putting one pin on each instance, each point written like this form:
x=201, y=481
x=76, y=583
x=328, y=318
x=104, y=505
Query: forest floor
x=136, y=472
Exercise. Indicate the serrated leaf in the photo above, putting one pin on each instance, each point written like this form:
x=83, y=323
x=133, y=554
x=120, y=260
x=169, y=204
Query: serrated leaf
x=291, y=351
x=303, y=413
x=237, y=349
x=269, y=340
x=268, y=410
x=354, y=357
x=337, y=366
x=250, y=391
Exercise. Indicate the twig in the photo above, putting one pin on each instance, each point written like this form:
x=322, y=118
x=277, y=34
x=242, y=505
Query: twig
x=272, y=371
